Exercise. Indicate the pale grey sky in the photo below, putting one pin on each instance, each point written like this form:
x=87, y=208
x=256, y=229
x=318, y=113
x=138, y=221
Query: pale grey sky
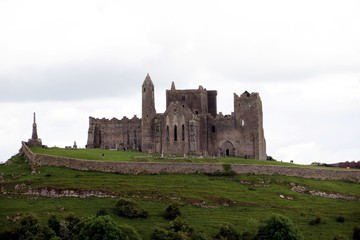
x=68, y=60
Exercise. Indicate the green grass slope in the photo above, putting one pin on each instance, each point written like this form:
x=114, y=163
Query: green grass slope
x=131, y=156
x=206, y=202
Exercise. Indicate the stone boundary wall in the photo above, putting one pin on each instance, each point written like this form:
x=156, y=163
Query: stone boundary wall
x=185, y=168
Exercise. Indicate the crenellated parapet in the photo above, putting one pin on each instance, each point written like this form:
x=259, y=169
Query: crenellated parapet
x=114, y=133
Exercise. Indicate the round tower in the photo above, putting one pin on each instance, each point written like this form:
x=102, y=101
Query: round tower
x=148, y=114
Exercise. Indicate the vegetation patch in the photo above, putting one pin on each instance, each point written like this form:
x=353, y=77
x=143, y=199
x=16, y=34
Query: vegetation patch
x=129, y=208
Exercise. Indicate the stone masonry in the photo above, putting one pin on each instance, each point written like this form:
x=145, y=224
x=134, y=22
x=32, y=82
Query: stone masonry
x=190, y=125
x=34, y=140
x=184, y=168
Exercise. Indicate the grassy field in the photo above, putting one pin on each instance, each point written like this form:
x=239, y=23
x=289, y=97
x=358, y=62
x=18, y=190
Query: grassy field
x=239, y=200
x=125, y=156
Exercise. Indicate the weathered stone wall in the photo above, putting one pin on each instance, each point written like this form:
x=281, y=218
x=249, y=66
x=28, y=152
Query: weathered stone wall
x=114, y=133
x=249, y=120
x=185, y=168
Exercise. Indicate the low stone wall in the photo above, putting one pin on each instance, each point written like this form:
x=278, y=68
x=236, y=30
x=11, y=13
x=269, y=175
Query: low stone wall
x=185, y=168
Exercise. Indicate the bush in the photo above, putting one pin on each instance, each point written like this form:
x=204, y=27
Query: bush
x=227, y=232
x=130, y=209
x=177, y=229
x=252, y=229
x=356, y=233
x=172, y=211
x=54, y=224
x=162, y=234
x=102, y=212
x=278, y=227
x=340, y=219
x=228, y=170
x=71, y=227
x=315, y=221
x=104, y=227
x=31, y=229
x=10, y=234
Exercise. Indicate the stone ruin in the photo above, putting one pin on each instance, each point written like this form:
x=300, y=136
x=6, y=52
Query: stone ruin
x=190, y=125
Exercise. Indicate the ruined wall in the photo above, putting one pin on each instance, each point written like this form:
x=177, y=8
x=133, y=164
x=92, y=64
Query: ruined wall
x=175, y=139
x=116, y=134
x=196, y=100
x=205, y=132
x=249, y=120
x=185, y=168
x=223, y=135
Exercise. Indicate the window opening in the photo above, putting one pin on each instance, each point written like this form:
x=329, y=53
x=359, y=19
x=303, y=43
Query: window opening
x=167, y=133
x=175, y=133
x=213, y=129
x=183, y=132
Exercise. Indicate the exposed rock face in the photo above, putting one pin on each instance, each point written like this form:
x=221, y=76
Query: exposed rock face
x=190, y=125
x=302, y=189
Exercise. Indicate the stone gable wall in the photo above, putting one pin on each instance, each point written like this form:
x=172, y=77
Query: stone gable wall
x=185, y=168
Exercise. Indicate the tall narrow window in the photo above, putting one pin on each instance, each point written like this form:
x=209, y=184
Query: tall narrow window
x=183, y=132
x=167, y=133
x=175, y=133
x=128, y=138
x=213, y=129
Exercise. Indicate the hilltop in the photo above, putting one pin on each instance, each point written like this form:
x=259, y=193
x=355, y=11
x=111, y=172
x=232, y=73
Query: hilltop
x=206, y=200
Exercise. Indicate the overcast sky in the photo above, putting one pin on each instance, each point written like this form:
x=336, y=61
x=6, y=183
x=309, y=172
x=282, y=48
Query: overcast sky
x=68, y=60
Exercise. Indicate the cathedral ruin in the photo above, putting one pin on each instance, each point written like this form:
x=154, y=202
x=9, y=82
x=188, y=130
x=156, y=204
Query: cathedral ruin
x=190, y=125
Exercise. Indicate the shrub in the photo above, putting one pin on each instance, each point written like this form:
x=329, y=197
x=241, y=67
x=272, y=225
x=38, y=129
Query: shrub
x=177, y=229
x=31, y=229
x=356, y=233
x=71, y=227
x=340, y=219
x=228, y=170
x=227, y=232
x=315, y=221
x=172, y=211
x=127, y=208
x=102, y=212
x=252, y=229
x=104, y=227
x=10, y=234
x=54, y=224
x=278, y=227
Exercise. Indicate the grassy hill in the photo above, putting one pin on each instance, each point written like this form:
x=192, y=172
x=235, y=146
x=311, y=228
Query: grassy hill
x=206, y=201
x=125, y=156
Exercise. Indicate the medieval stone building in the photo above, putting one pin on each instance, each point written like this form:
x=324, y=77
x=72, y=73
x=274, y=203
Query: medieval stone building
x=190, y=125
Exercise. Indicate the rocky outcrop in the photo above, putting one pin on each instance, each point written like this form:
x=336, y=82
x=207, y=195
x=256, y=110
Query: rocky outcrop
x=302, y=189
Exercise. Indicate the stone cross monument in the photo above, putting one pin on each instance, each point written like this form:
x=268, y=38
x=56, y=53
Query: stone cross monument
x=35, y=140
